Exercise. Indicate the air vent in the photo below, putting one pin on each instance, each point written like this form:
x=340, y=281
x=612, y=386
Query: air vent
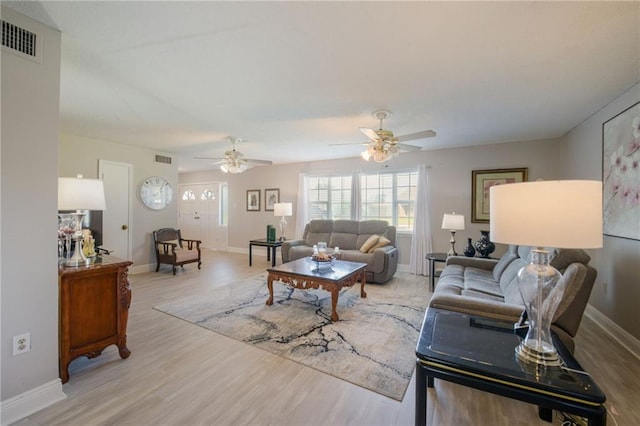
x=18, y=39
x=163, y=159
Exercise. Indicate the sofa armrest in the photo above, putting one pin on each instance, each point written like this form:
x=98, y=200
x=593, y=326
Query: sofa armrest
x=380, y=253
x=286, y=245
x=475, y=306
x=475, y=262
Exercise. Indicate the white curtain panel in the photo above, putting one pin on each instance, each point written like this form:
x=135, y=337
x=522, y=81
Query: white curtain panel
x=302, y=214
x=356, y=197
x=421, y=243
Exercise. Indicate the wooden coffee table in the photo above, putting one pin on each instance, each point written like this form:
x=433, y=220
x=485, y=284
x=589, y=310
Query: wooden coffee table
x=305, y=274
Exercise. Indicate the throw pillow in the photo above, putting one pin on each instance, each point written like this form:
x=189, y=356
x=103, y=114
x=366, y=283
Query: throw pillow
x=381, y=243
x=176, y=242
x=371, y=241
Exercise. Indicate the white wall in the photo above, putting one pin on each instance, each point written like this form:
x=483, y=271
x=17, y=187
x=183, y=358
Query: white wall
x=81, y=154
x=30, y=99
x=450, y=184
x=618, y=261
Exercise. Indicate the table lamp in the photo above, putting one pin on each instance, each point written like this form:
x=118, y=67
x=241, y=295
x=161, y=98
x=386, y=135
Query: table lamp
x=558, y=214
x=79, y=194
x=453, y=222
x=283, y=210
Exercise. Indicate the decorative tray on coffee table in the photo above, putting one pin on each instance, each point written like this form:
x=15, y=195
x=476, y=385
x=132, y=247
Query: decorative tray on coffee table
x=321, y=263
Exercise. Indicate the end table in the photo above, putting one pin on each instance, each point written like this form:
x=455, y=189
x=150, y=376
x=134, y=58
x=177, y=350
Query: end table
x=433, y=258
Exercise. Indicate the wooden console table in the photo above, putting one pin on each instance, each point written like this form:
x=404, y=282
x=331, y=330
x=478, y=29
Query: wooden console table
x=93, y=310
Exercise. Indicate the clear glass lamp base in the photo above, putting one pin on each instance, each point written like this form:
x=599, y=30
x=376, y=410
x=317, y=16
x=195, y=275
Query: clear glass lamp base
x=547, y=356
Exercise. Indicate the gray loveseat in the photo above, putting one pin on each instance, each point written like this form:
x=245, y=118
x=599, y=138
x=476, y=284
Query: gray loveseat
x=489, y=287
x=349, y=236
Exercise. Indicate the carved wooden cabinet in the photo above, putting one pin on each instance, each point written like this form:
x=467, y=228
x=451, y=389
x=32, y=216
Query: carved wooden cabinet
x=94, y=308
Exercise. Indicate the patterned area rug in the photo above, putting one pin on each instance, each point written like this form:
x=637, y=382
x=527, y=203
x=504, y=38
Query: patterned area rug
x=372, y=345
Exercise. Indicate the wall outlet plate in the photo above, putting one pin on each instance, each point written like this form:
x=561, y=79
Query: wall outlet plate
x=21, y=343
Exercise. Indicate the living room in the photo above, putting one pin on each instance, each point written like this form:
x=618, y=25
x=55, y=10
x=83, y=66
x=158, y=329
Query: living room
x=28, y=294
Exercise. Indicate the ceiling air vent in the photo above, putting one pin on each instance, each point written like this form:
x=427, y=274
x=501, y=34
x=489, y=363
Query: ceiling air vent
x=18, y=39
x=163, y=159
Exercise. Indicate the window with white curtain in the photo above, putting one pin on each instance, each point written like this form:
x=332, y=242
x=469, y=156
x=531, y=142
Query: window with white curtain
x=389, y=196
x=329, y=197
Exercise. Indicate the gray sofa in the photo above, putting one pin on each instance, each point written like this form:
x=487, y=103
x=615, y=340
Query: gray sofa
x=349, y=235
x=489, y=287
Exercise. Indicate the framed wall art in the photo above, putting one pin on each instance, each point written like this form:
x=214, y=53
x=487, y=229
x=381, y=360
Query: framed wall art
x=482, y=180
x=621, y=174
x=271, y=196
x=253, y=200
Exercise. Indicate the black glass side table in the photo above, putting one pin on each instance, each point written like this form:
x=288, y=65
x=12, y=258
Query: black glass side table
x=479, y=352
x=433, y=258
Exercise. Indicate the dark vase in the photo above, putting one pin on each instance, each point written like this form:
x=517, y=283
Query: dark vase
x=469, y=251
x=484, y=246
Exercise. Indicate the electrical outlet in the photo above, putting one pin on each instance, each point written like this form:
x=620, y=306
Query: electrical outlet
x=21, y=343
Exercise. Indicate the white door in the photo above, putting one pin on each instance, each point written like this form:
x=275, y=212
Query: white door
x=116, y=219
x=200, y=213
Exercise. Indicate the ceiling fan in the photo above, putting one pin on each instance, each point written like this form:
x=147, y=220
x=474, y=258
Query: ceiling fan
x=233, y=161
x=383, y=145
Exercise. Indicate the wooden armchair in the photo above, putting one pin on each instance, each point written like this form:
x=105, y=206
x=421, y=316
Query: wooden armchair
x=174, y=250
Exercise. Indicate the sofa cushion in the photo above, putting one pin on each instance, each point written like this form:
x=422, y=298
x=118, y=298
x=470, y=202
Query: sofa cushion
x=317, y=231
x=511, y=272
x=565, y=257
x=382, y=241
x=343, y=240
x=505, y=260
x=370, y=242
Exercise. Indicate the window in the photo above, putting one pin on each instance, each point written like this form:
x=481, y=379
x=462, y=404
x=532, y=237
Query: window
x=329, y=197
x=387, y=196
x=390, y=197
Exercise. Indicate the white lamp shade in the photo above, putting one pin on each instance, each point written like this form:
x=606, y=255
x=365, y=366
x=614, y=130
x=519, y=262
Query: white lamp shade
x=80, y=194
x=559, y=214
x=453, y=222
x=282, y=209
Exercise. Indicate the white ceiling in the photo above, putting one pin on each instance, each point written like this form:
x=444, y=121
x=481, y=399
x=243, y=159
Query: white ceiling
x=291, y=78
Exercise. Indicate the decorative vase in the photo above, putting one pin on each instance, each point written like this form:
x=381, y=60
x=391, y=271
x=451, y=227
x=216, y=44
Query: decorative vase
x=469, y=251
x=484, y=246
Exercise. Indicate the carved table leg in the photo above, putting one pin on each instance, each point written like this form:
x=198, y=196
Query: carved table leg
x=363, y=281
x=270, y=285
x=122, y=348
x=334, y=304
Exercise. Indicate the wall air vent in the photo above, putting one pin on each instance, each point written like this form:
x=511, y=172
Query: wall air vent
x=19, y=40
x=163, y=159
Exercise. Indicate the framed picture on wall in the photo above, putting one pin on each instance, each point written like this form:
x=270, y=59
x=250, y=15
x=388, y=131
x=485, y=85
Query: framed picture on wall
x=253, y=200
x=621, y=174
x=271, y=196
x=482, y=180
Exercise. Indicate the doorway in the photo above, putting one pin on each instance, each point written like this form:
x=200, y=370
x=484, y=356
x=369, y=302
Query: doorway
x=116, y=219
x=202, y=213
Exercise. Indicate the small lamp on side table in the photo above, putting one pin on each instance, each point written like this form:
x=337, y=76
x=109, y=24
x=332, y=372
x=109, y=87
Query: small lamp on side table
x=559, y=214
x=453, y=222
x=283, y=210
x=80, y=194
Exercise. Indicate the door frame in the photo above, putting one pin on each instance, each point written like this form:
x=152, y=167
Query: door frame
x=131, y=191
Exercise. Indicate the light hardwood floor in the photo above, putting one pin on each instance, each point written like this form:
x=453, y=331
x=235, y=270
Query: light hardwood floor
x=181, y=374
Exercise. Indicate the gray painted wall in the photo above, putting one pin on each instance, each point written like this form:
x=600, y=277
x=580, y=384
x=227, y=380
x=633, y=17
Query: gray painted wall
x=618, y=262
x=450, y=185
x=30, y=99
x=81, y=154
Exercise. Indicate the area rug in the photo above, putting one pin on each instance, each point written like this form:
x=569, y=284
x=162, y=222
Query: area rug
x=372, y=345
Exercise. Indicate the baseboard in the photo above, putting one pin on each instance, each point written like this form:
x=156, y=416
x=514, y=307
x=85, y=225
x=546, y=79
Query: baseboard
x=25, y=404
x=625, y=339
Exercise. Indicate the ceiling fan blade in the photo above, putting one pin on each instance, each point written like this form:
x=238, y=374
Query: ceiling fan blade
x=350, y=143
x=419, y=135
x=258, y=162
x=370, y=133
x=209, y=158
x=405, y=147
